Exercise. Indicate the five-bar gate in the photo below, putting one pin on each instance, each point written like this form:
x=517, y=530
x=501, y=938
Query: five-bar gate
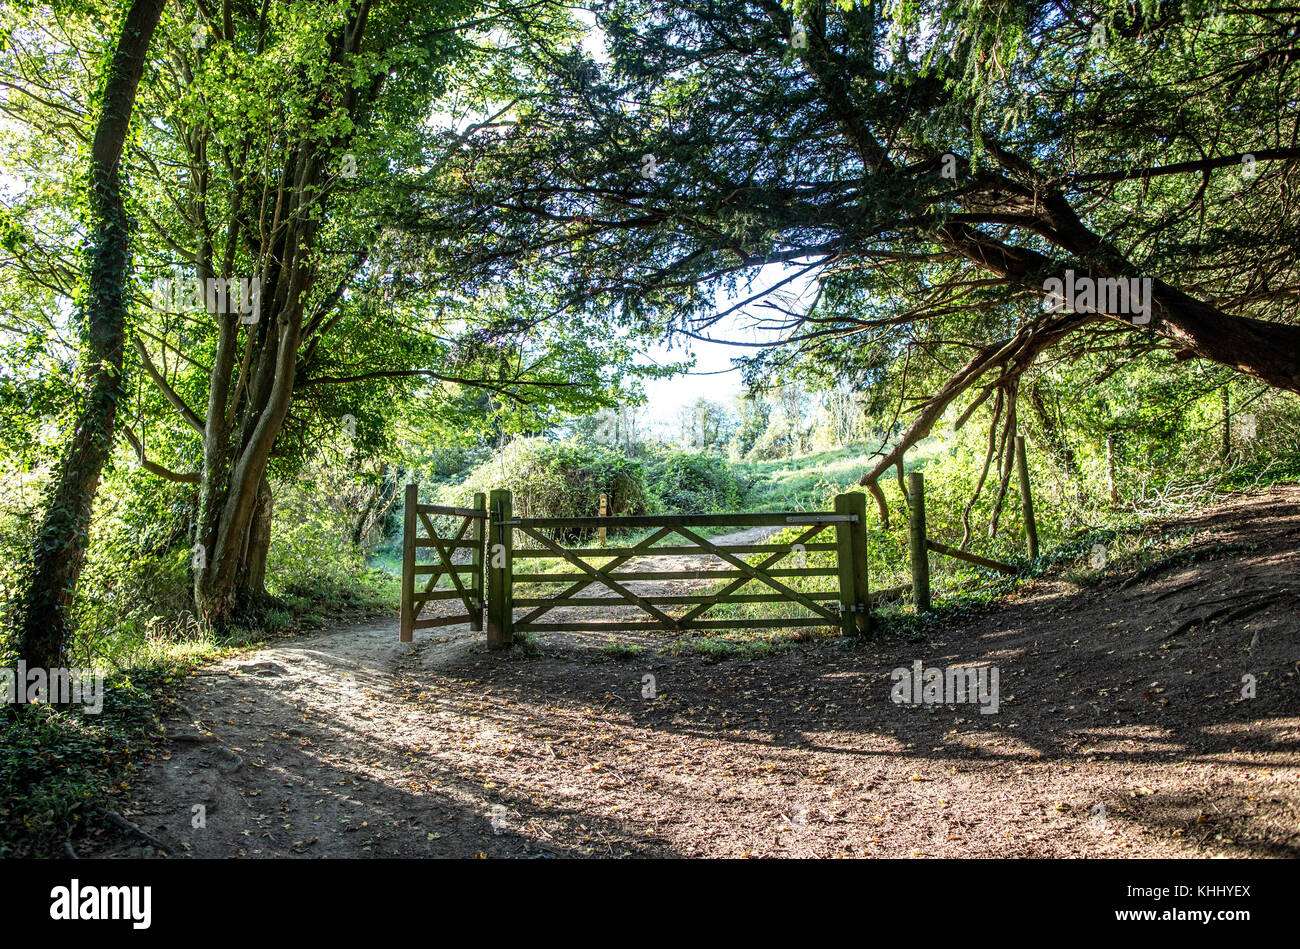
x=586, y=585
x=464, y=572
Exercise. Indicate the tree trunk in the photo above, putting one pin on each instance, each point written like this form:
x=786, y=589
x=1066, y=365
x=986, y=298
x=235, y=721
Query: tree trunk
x=259, y=542
x=378, y=504
x=361, y=526
x=236, y=448
x=233, y=474
x=1052, y=438
x=60, y=549
x=1111, y=485
x=1258, y=348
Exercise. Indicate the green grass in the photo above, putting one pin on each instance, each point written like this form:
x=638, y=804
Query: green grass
x=744, y=644
x=526, y=645
x=809, y=482
x=622, y=651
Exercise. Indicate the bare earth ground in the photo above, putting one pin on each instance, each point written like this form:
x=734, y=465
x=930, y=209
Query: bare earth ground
x=1122, y=731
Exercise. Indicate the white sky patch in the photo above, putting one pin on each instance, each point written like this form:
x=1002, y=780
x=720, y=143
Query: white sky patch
x=593, y=40
x=714, y=377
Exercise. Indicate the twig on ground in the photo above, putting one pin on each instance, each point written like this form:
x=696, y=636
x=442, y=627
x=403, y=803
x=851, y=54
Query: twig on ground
x=117, y=820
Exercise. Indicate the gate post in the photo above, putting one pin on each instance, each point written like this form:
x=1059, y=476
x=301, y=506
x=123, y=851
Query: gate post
x=500, y=611
x=851, y=555
x=407, y=609
x=857, y=506
x=479, y=536
x=916, y=538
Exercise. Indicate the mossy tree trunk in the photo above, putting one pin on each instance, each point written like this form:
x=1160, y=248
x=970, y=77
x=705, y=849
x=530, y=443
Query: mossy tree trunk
x=43, y=614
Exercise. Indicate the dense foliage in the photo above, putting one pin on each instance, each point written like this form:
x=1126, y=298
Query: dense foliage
x=473, y=226
x=465, y=255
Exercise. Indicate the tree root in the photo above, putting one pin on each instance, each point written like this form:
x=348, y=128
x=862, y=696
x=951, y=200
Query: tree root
x=1178, y=559
x=117, y=820
x=1225, y=615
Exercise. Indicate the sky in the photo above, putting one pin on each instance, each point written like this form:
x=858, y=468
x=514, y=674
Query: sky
x=714, y=377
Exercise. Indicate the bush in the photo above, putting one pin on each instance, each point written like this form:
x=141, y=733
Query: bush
x=558, y=479
x=689, y=483
x=137, y=577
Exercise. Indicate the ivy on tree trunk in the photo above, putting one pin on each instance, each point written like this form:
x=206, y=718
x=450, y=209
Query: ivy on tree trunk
x=43, y=614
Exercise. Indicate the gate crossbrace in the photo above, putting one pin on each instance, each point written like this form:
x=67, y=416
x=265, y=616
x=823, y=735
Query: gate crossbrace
x=755, y=574
x=603, y=577
x=456, y=581
x=418, y=600
x=766, y=562
x=581, y=585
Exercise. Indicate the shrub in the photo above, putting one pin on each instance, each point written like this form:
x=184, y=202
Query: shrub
x=558, y=479
x=689, y=483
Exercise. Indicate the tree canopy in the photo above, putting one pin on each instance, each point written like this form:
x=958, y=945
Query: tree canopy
x=476, y=214
x=930, y=168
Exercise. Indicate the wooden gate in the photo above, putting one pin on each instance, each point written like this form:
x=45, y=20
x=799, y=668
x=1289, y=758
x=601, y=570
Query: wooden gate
x=844, y=606
x=466, y=576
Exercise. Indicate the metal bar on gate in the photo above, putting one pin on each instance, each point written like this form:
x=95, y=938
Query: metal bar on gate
x=664, y=550
x=683, y=520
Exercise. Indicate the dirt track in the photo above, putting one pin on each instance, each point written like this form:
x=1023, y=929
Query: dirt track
x=1117, y=735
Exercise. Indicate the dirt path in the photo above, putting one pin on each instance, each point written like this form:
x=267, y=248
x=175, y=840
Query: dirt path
x=1121, y=731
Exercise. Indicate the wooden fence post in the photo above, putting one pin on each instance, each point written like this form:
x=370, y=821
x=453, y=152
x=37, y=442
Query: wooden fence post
x=851, y=550
x=1026, y=499
x=407, y=609
x=604, y=510
x=920, y=557
x=479, y=536
x=850, y=603
x=500, y=609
